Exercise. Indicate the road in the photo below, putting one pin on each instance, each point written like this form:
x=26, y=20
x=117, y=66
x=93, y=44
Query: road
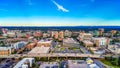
x=84, y=50
x=52, y=55
x=99, y=63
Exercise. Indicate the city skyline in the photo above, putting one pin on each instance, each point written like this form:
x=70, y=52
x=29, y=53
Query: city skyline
x=59, y=13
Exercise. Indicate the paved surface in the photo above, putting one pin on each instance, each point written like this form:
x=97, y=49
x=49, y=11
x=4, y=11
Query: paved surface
x=84, y=50
x=7, y=63
x=54, y=44
x=99, y=63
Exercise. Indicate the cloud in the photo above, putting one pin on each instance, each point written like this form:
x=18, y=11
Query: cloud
x=60, y=7
x=3, y=10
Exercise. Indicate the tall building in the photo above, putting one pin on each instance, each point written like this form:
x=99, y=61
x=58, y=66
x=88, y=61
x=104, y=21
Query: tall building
x=61, y=34
x=84, y=36
x=54, y=34
x=45, y=35
x=96, y=33
x=67, y=33
x=38, y=33
x=101, y=41
x=101, y=30
x=113, y=32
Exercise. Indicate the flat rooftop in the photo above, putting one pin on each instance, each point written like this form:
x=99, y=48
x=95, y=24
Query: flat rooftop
x=41, y=49
x=70, y=40
x=77, y=64
x=87, y=41
x=49, y=65
x=45, y=41
x=5, y=48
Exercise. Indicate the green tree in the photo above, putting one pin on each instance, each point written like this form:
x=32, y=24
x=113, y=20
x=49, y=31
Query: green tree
x=119, y=61
x=115, y=61
x=33, y=65
x=1, y=32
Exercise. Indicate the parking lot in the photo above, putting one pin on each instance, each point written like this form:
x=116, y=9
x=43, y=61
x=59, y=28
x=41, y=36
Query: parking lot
x=7, y=63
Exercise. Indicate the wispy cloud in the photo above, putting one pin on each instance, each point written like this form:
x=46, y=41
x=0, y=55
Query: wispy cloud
x=3, y=10
x=60, y=7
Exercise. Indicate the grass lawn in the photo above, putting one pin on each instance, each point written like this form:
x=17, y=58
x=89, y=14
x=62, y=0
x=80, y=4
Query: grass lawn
x=62, y=49
x=109, y=64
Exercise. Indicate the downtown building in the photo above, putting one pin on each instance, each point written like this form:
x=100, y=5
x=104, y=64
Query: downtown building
x=101, y=41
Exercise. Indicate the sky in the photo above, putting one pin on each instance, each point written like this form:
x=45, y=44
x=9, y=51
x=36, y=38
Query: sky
x=59, y=12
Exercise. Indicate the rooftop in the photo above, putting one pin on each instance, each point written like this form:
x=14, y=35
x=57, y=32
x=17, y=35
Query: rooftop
x=45, y=41
x=49, y=65
x=19, y=64
x=77, y=64
x=5, y=48
x=87, y=41
x=41, y=49
x=70, y=40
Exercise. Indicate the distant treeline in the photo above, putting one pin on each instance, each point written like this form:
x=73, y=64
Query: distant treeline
x=74, y=28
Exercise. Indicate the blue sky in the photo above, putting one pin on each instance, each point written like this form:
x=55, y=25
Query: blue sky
x=59, y=12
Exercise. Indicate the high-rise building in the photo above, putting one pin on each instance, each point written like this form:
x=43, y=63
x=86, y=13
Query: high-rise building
x=101, y=30
x=67, y=33
x=61, y=34
x=84, y=36
x=96, y=33
x=102, y=41
x=113, y=32
x=54, y=34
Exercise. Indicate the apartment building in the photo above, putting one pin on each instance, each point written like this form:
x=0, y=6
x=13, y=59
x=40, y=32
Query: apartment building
x=5, y=50
x=84, y=36
x=101, y=41
x=46, y=43
x=25, y=63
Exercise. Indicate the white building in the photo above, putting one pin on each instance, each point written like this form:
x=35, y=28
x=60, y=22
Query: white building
x=25, y=63
x=19, y=44
x=67, y=33
x=11, y=34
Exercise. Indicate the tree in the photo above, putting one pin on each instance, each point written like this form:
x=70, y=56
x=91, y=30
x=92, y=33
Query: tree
x=1, y=32
x=119, y=61
x=33, y=65
x=2, y=43
x=115, y=61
